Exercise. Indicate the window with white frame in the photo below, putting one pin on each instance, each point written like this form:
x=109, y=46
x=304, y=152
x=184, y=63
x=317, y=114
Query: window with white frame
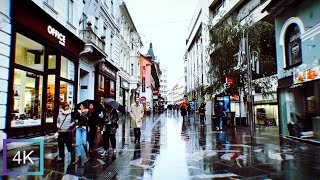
x=84, y=21
x=293, y=45
x=50, y=3
x=96, y=25
x=132, y=70
x=111, y=48
x=111, y=8
x=70, y=11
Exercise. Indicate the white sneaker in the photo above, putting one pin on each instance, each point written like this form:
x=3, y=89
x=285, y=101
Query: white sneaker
x=104, y=153
x=114, y=151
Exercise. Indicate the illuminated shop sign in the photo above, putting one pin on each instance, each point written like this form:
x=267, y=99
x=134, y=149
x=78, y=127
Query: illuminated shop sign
x=55, y=33
x=308, y=75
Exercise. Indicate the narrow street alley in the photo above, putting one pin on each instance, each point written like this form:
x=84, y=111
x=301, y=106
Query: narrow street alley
x=172, y=149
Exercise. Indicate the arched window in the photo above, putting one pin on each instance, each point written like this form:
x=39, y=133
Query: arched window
x=293, y=45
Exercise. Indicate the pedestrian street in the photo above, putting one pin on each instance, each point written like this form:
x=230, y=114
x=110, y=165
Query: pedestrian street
x=172, y=149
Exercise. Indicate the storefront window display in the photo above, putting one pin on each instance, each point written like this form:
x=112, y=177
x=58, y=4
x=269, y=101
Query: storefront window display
x=112, y=89
x=67, y=68
x=50, y=99
x=29, y=53
x=101, y=83
x=298, y=110
x=66, y=92
x=52, y=61
x=27, y=99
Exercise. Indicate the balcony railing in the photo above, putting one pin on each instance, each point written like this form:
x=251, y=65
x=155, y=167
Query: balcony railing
x=88, y=36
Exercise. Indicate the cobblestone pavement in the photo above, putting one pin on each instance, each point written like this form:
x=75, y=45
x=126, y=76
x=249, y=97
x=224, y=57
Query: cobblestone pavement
x=173, y=149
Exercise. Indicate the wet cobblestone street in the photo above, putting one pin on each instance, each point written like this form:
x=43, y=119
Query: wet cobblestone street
x=172, y=149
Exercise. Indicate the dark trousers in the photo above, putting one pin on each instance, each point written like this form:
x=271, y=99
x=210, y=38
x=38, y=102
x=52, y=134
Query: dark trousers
x=92, y=136
x=137, y=134
x=64, y=138
x=201, y=119
x=106, y=136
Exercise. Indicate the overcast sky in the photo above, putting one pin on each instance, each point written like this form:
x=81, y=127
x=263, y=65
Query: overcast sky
x=164, y=23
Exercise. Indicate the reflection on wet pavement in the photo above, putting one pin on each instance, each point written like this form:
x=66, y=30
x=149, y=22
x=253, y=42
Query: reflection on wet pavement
x=173, y=149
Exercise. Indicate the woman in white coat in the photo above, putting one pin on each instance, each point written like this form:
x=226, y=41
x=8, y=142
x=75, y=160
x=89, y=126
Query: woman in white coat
x=136, y=114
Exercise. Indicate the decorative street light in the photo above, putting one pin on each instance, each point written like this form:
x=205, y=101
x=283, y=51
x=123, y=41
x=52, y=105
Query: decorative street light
x=252, y=61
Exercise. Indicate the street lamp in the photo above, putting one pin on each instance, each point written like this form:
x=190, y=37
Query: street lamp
x=252, y=61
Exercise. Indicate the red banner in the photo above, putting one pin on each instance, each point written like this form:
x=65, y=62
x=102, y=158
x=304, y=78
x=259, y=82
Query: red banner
x=229, y=80
x=143, y=72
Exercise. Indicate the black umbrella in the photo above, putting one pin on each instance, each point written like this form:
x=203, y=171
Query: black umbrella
x=114, y=104
x=97, y=106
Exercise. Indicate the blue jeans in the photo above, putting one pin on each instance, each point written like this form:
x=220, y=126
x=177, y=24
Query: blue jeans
x=81, y=139
x=220, y=122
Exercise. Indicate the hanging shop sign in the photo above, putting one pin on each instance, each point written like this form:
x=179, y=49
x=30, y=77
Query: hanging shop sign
x=123, y=83
x=108, y=71
x=143, y=79
x=308, y=75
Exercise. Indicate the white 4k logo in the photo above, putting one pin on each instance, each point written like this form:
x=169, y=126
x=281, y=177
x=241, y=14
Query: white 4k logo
x=24, y=156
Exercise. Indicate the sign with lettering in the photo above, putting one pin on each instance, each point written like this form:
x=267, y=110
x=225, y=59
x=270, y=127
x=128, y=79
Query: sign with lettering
x=55, y=33
x=107, y=70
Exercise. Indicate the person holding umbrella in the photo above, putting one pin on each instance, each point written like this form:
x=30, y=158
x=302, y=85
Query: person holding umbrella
x=136, y=114
x=82, y=117
x=109, y=129
x=92, y=123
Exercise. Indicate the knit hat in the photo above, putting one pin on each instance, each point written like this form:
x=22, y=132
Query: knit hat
x=64, y=104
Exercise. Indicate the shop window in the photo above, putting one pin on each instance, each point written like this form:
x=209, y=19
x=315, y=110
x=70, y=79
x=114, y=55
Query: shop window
x=50, y=98
x=66, y=93
x=29, y=53
x=293, y=45
x=101, y=83
x=67, y=68
x=52, y=61
x=112, y=89
x=27, y=99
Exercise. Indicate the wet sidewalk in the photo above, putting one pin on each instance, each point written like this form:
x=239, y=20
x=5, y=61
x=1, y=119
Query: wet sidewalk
x=173, y=149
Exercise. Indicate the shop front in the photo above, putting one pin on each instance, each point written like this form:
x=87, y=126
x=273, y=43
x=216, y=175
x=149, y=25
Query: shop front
x=43, y=68
x=124, y=92
x=299, y=107
x=106, y=78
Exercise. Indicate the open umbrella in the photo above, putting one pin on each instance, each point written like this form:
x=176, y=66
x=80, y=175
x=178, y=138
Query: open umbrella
x=114, y=104
x=96, y=105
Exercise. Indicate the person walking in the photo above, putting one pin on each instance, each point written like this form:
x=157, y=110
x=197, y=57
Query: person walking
x=202, y=111
x=82, y=118
x=109, y=130
x=183, y=110
x=92, y=124
x=219, y=112
x=64, y=125
x=136, y=114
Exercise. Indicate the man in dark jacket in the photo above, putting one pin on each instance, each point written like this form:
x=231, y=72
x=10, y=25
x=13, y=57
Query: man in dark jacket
x=219, y=112
x=202, y=111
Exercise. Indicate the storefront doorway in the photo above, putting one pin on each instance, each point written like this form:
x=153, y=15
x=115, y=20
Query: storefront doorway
x=84, y=80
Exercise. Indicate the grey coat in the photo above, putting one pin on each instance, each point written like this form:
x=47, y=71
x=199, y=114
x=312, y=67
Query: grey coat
x=65, y=122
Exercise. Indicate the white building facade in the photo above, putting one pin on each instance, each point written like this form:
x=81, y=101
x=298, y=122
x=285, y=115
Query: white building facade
x=198, y=48
x=164, y=83
x=5, y=45
x=130, y=43
x=178, y=91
